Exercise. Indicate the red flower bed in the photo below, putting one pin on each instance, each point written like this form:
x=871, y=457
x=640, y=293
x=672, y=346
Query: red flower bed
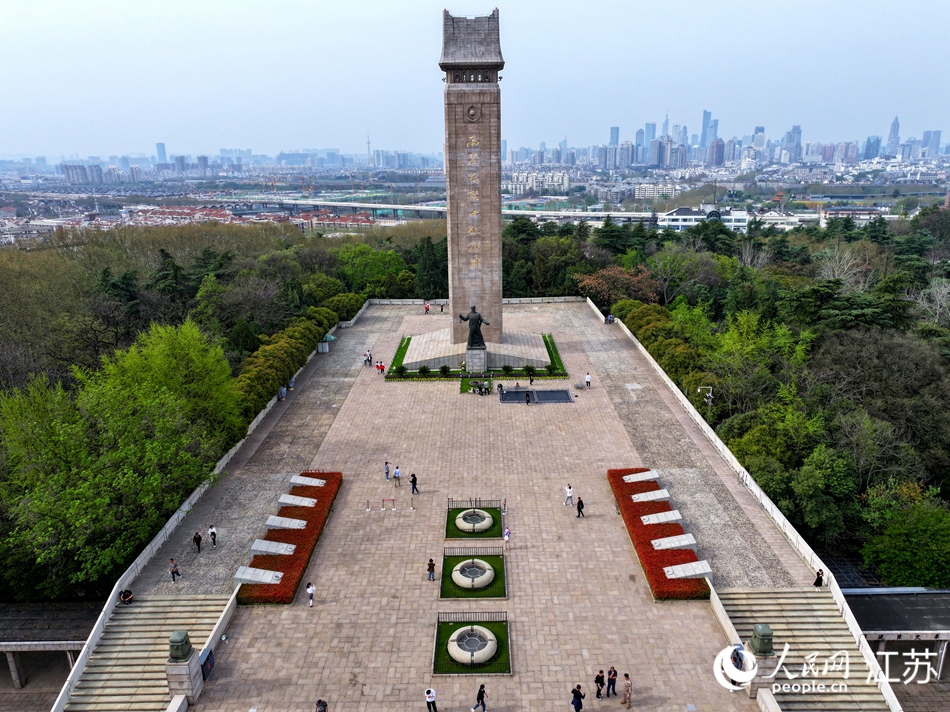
x=295, y=565
x=642, y=536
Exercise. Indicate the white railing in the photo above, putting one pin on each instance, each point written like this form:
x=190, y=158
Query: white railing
x=214, y=638
x=147, y=555
x=791, y=534
x=719, y=610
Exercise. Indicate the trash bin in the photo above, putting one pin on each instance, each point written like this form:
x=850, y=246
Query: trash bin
x=761, y=642
x=179, y=646
x=323, y=347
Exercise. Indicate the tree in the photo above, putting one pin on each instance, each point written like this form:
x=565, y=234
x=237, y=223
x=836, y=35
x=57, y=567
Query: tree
x=521, y=229
x=361, y=264
x=611, y=284
x=678, y=269
x=914, y=549
x=612, y=236
x=432, y=272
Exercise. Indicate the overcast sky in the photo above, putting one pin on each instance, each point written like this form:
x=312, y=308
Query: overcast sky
x=104, y=77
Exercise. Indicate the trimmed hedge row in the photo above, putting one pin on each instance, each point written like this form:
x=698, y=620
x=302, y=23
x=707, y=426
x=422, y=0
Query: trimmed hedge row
x=347, y=305
x=642, y=536
x=295, y=565
x=279, y=357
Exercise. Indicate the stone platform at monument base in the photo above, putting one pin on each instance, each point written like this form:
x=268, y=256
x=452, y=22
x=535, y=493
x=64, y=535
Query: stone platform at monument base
x=435, y=349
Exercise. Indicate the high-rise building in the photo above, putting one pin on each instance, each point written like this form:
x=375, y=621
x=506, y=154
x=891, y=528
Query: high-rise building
x=504, y=148
x=682, y=136
x=649, y=133
x=614, y=135
x=666, y=126
x=627, y=155
x=758, y=138
x=75, y=174
x=95, y=174
x=717, y=152
x=713, y=132
x=160, y=153
x=932, y=143
x=181, y=164
x=704, y=128
x=656, y=152
x=872, y=148
x=792, y=142
x=640, y=136
x=203, y=165
x=894, y=137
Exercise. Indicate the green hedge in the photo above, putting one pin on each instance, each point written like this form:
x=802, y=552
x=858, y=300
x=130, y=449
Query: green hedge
x=279, y=358
x=346, y=305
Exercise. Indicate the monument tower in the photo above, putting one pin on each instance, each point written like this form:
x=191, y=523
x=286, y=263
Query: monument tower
x=471, y=59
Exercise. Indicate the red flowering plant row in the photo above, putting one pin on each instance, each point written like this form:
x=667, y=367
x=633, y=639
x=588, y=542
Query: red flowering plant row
x=294, y=566
x=642, y=536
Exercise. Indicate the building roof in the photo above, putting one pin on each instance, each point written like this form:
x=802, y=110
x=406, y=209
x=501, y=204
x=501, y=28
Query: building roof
x=901, y=611
x=471, y=42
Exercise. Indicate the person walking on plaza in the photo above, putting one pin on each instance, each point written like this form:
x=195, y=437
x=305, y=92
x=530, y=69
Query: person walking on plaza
x=587, y=380
x=430, y=567
x=173, y=569
x=321, y=706
x=507, y=537
x=197, y=540
x=612, y=681
x=570, y=495
x=430, y=700
x=480, y=698
x=213, y=535
x=397, y=477
x=577, y=698
x=413, y=480
x=386, y=470
x=311, y=589
x=599, y=683
x=580, y=508
x=427, y=308
x=527, y=398
x=627, y=689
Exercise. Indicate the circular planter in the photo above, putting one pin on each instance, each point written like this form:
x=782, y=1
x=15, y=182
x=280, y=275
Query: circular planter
x=474, y=521
x=473, y=573
x=472, y=645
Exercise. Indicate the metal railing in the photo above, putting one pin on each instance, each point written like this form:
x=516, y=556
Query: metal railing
x=469, y=551
x=795, y=539
x=473, y=503
x=484, y=617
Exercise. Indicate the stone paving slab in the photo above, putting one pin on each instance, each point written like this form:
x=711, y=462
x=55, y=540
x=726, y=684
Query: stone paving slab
x=262, y=546
x=698, y=569
x=275, y=522
x=577, y=599
x=647, y=476
x=307, y=481
x=247, y=574
x=295, y=501
x=662, y=517
x=680, y=541
x=660, y=495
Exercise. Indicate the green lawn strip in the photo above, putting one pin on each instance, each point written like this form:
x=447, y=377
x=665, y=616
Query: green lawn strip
x=445, y=665
x=496, y=589
x=553, y=353
x=453, y=532
x=400, y=353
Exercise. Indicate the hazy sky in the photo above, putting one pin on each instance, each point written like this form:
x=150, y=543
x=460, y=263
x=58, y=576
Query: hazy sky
x=102, y=77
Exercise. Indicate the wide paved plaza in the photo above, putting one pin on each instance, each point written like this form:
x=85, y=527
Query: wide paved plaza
x=577, y=599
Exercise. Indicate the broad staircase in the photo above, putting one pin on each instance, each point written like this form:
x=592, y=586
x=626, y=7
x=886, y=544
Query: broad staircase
x=809, y=621
x=126, y=671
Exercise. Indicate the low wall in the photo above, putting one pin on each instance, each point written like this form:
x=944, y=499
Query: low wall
x=214, y=638
x=796, y=540
x=149, y=553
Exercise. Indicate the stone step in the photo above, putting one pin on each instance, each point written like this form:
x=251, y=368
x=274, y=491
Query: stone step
x=647, y=476
x=275, y=522
x=662, y=517
x=307, y=481
x=681, y=541
x=696, y=569
x=247, y=574
x=660, y=495
x=292, y=500
x=262, y=546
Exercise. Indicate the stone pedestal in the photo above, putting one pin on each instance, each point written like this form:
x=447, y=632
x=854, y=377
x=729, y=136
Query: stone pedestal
x=185, y=678
x=476, y=360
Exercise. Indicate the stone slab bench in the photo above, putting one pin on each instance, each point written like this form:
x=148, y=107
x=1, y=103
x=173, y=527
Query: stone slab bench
x=262, y=546
x=698, y=569
x=642, y=476
x=681, y=541
x=295, y=501
x=307, y=481
x=662, y=517
x=275, y=522
x=245, y=574
x=660, y=495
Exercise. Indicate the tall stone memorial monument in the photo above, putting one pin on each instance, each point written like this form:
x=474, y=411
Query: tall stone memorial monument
x=471, y=59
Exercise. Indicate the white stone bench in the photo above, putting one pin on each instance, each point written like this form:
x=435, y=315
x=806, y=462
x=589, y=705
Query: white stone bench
x=660, y=495
x=681, y=541
x=697, y=569
x=274, y=522
x=246, y=574
x=262, y=546
x=642, y=476
x=307, y=481
x=295, y=501
x=662, y=517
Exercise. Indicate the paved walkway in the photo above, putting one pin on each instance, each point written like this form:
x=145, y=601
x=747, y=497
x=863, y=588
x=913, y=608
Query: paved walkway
x=283, y=445
x=577, y=599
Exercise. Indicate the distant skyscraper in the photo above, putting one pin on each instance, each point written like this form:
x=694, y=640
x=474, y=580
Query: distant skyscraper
x=931, y=142
x=203, y=165
x=626, y=155
x=666, y=126
x=656, y=152
x=95, y=174
x=704, y=135
x=872, y=148
x=649, y=134
x=160, y=152
x=894, y=137
x=640, y=137
x=614, y=135
x=758, y=139
x=682, y=137
x=713, y=132
x=181, y=163
x=717, y=152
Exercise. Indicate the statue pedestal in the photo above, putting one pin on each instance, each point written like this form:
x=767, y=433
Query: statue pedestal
x=476, y=360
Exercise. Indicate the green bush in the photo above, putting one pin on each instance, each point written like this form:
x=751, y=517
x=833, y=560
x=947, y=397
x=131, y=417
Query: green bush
x=346, y=305
x=424, y=370
x=551, y=369
x=622, y=309
x=401, y=370
x=530, y=370
x=444, y=370
x=507, y=369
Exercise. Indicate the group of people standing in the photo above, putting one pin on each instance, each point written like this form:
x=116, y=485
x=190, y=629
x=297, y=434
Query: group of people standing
x=600, y=682
x=378, y=365
x=174, y=569
x=569, y=500
x=397, y=478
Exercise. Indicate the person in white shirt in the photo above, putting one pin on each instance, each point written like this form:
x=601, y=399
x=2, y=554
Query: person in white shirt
x=570, y=495
x=430, y=700
x=588, y=380
x=310, y=591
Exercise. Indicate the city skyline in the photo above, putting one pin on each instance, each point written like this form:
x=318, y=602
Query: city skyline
x=196, y=77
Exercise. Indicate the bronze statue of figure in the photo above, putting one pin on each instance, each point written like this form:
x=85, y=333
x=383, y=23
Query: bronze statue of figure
x=475, y=321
